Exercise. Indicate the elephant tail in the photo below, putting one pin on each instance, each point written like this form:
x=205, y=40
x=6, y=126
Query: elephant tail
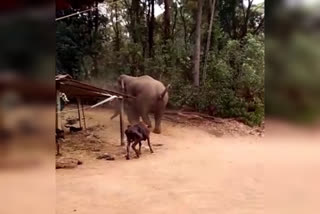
x=164, y=92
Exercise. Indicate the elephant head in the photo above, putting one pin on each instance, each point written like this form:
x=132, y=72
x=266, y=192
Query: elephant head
x=125, y=80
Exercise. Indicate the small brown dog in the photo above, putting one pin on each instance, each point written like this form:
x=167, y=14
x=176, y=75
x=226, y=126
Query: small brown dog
x=137, y=133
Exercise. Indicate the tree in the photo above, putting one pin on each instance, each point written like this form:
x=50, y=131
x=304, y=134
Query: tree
x=134, y=17
x=114, y=16
x=151, y=26
x=213, y=4
x=236, y=18
x=167, y=8
x=197, y=46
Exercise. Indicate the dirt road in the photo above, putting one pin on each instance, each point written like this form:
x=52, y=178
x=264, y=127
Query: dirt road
x=196, y=172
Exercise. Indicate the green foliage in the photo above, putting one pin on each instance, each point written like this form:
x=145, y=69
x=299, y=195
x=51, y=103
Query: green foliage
x=235, y=85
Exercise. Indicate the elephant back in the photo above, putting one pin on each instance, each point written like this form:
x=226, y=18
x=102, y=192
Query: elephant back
x=144, y=86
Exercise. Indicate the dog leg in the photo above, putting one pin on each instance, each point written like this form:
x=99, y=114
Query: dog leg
x=140, y=147
x=128, y=151
x=149, y=144
x=58, y=148
x=134, y=148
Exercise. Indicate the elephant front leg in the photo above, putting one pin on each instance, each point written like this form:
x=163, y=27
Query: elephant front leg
x=157, y=118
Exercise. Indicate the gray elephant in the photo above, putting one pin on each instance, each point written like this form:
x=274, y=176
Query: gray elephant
x=151, y=97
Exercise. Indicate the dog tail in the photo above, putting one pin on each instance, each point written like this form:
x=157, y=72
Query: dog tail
x=164, y=92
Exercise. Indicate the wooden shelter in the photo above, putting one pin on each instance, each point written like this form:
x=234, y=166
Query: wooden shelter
x=79, y=90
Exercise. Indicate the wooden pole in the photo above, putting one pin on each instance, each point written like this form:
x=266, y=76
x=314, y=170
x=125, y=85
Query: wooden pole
x=79, y=115
x=84, y=117
x=58, y=107
x=121, y=116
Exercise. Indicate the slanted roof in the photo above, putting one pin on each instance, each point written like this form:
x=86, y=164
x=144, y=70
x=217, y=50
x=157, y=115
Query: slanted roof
x=74, y=88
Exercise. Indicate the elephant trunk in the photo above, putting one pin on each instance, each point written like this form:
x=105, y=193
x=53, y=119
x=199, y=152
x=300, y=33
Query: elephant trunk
x=164, y=92
x=116, y=107
x=114, y=115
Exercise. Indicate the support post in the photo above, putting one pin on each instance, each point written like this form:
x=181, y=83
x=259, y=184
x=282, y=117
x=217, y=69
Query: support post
x=121, y=116
x=84, y=117
x=79, y=115
x=58, y=107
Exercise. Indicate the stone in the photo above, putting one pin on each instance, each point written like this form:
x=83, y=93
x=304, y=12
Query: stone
x=105, y=156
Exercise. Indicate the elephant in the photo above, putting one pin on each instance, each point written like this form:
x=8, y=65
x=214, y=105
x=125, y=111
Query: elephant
x=151, y=96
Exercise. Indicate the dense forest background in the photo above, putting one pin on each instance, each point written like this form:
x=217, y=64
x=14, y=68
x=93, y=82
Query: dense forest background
x=210, y=51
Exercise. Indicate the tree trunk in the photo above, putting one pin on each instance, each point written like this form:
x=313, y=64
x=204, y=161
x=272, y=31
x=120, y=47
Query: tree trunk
x=204, y=74
x=174, y=22
x=117, y=29
x=95, y=70
x=134, y=19
x=95, y=25
x=246, y=19
x=96, y=18
x=151, y=29
x=167, y=6
x=184, y=27
x=197, y=46
x=146, y=16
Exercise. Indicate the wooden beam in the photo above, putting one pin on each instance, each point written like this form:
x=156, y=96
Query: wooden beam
x=76, y=84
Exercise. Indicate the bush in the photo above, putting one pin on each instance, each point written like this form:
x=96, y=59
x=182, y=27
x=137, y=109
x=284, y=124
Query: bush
x=234, y=86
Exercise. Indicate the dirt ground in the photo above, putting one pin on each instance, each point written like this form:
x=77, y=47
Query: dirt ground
x=199, y=167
